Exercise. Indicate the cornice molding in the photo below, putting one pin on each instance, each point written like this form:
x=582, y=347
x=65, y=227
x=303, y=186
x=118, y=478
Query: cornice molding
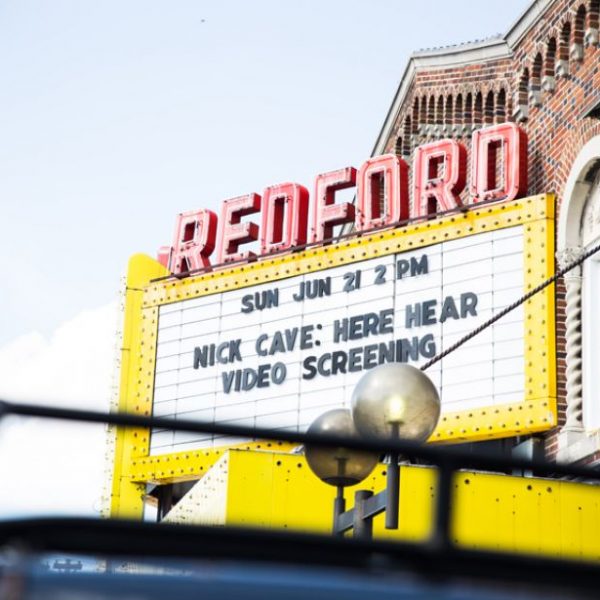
x=494, y=48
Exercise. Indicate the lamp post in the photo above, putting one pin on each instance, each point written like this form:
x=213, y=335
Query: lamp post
x=392, y=401
x=340, y=467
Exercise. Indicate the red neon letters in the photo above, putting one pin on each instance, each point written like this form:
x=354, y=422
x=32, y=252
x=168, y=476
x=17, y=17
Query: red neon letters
x=498, y=172
x=504, y=179
x=440, y=171
x=326, y=212
x=232, y=232
x=382, y=188
x=194, y=241
x=284, y=217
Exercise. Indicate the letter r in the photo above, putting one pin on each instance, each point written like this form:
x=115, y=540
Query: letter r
x=194, y=241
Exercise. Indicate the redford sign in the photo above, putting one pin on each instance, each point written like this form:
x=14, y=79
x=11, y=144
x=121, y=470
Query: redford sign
x=498, y=172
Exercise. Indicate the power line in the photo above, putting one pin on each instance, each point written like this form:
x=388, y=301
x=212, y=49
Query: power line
x=510, y=307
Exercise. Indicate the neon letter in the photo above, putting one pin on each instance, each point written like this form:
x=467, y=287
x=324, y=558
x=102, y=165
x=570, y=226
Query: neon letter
x=439, y=177
x=507, y=181
x=326, y=212
x=163, y=256
x=284, y=217
x=194, y=241
x=392, y=171
x=233, y=233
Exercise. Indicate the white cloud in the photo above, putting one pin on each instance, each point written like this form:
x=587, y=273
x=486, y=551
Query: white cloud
x=51, y=467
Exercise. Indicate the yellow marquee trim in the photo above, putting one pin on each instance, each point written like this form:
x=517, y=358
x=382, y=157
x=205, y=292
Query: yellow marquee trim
x=145, y=293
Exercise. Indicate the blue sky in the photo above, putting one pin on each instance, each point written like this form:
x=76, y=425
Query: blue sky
x=115, y=116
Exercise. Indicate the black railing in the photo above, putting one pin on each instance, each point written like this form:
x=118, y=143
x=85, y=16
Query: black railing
x=437, y=560
x=447, y=459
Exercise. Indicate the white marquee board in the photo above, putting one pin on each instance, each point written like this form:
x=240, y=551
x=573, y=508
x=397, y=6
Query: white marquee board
x=487, y=371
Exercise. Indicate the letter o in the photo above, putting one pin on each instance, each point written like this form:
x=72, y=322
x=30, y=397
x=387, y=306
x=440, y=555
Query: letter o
x=278, y=373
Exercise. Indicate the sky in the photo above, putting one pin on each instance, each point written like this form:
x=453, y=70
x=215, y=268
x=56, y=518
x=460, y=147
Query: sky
x=117, y=115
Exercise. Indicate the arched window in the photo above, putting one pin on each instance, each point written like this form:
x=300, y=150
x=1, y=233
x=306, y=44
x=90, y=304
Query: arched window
x=457, y=128
x=564, y=42
x=423, y=117
x=591, y=27
x=520, y=108
x=468, y=114
x=576, y=50
x=431, y=116
x=548, y=77
x=448, y=116
x=439, y=116
x=535, y=84
x=501, y=106
x=579, y=228
x=398, y=147
x=415, y=117
x=488, y=113
x=407, y=143
x=478, y=111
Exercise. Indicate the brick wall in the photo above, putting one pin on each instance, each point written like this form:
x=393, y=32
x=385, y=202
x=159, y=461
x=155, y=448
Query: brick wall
x=547, y=85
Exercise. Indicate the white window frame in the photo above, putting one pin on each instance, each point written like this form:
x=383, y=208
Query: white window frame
x=590, y=325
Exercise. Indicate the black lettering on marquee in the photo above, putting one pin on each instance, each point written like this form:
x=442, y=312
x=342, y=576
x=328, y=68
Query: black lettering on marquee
x=286, y=340
x=359, y=326
x=306, y=341
x=278, y=373
x=424, y=313
x=263, y=337
x=428, y=313
x=260, y=300
x=366, y=357
x=245, y=379
x=223, y=353
x=309, y=367
x=412, y=315
x=262, y=376
x=468, y=304
x=414, y=266
x=321, y=365
x=352, y=281
x=380, y=274
x=338, y=362
x=419, y=267
x=449, y=310
x=316, y=288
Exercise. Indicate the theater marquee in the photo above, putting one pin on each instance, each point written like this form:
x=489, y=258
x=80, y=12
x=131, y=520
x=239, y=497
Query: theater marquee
x=274, y=333
x=276, y=342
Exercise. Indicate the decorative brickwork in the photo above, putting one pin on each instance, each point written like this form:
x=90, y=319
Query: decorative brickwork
x=546, y=77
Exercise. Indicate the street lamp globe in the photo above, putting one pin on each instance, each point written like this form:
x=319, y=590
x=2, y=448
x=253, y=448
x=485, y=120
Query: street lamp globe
x=338, y=466
x=394, y=401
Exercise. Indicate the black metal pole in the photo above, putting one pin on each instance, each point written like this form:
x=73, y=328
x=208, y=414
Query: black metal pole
x=393, y=485
x=339, y=507
x=441, y=535
x=393, y=493
x=363, y=524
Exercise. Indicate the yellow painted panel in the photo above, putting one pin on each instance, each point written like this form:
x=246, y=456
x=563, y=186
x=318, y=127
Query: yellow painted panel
x=491, y=511
x=189, y=465
x=206, y=502
x=126, y=497
x=280, y=491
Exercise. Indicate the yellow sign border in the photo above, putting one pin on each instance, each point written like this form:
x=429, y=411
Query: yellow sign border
x=144, y=295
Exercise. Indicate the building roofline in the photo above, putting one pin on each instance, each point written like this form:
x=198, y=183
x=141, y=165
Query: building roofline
x=525, y=21
x=493, y=48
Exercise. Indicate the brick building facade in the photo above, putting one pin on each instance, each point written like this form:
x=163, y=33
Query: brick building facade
x=544, y=75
